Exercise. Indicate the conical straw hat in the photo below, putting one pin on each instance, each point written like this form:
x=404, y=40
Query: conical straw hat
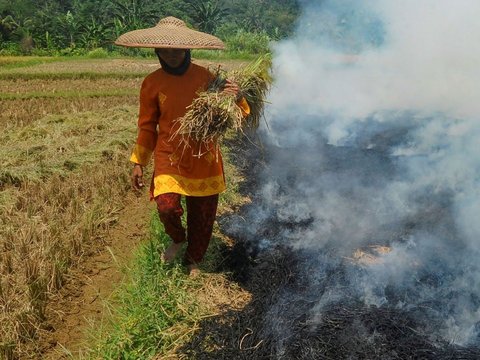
x=170, y=32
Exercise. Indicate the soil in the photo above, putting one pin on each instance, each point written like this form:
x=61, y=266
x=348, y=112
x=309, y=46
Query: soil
x=81, y=302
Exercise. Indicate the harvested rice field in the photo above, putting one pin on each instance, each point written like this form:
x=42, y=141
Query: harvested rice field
x=22, y=111
x=100, y=67
x=68, y=218
x=58, y=87
x=63, y=182
x=81, y=275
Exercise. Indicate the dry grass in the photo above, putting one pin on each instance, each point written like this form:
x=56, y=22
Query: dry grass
x=216, y=297
x=62, y=182
x=214, y=113
x=24, y=111
x=59, y=144
x=69, y=94
x=44, y=231
x=20, y=61
x=218, y=293
x=19, y=86
x=23, y=101
x=103, y=66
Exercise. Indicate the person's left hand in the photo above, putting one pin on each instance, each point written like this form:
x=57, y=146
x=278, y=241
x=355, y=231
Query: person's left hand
x=231, y=88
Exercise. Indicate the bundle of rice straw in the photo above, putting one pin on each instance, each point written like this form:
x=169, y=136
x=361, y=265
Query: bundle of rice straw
x=213, y=113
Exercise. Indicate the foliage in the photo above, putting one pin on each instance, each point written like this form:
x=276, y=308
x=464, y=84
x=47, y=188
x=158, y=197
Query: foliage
x=153, y=310
x=276, y=18
x=248, y=42
x=64, y=26
x=207, y=15
x=97, y=53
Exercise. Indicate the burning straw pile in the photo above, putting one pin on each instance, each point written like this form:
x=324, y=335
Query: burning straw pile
x=214, y=113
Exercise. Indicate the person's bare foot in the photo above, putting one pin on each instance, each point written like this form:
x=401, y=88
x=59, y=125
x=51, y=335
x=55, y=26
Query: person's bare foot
x=193, y=270
x=171, y=252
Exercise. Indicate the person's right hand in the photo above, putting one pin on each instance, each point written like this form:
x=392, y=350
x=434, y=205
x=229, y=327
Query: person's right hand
x=137, y=177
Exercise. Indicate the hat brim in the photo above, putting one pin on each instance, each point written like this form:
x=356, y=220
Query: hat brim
x=169, y=37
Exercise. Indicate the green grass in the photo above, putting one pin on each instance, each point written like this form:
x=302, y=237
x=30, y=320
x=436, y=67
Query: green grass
x=153, y=310
x=222, y=55
x=12, y=62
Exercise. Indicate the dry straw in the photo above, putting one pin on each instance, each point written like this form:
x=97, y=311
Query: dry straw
x=213, y=112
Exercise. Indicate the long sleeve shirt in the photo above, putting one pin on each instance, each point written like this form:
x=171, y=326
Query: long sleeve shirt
x=179, y=169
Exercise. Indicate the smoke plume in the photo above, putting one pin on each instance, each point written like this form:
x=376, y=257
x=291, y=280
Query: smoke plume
x=374, y=160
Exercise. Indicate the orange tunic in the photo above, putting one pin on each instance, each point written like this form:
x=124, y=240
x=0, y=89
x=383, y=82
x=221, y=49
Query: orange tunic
x=177, y=169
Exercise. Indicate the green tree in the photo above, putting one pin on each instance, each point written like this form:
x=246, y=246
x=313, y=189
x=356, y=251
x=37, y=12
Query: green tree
x=60, y=24
x=70, y=27
x=207, y=15
x=94, y=34
x=46, y=32
x=133, y=14
x=277, y=18
x=7, y=26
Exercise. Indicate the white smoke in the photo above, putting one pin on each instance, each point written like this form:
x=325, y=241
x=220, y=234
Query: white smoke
x=427, y=61
x=375, y=115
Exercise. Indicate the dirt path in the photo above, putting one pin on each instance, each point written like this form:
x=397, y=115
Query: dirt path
x=81, y=301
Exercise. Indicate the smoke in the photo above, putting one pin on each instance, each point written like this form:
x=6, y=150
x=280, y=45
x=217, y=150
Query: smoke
x=374, y=139
x=364, y=57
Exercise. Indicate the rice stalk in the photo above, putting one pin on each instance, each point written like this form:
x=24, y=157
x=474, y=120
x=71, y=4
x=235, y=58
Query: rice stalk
x=214, y=112
x=7, y=264
x=6, y=297
x=255, y=81
x=8, y=241
x=7, y=350
x=26, y=325
x=22, y=112
x=2, y=293
x=57, y=271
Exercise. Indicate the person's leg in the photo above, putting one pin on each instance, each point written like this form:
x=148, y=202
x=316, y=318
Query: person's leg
x=201, y=213
x=170, y=212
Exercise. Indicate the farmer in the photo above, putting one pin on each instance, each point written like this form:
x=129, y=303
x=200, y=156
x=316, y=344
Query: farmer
x=196, y=173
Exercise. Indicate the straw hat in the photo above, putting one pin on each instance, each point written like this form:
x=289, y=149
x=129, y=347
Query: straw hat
x=170, y=32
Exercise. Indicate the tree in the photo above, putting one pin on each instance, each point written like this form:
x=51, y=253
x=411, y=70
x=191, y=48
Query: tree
x=59, y=24
x=133, y=14
x=7, y=26
x=207, y=15
x=70, y=27
x=276, y=18
x=94, y=34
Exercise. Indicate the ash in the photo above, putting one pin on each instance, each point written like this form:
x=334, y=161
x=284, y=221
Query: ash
x=313, y=298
